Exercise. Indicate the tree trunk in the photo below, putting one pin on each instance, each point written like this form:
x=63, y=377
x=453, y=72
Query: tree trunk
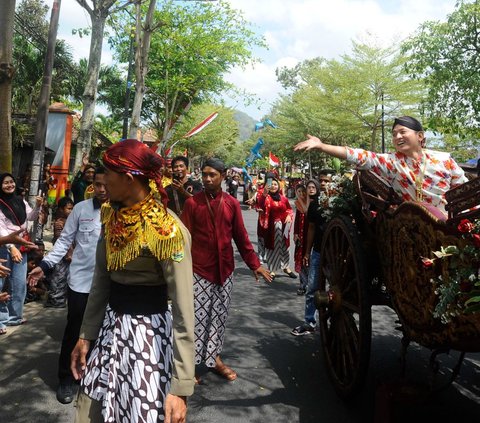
x=143, y=37
x=7, y=13
x=84, y=140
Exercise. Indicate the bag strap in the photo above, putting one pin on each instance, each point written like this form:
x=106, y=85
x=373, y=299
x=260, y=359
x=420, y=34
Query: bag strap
x=219, y=209
x=11, y=211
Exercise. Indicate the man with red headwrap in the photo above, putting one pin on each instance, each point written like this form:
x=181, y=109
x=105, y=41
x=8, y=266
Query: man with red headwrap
x=141, y=367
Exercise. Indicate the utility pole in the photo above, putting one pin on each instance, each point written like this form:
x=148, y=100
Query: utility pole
x=43, y=103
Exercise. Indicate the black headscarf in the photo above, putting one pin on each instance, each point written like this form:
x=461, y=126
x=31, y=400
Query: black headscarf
x=217, y=164
x=16, y=211
x=317, y=185
x=275, y=195
x=408, y=122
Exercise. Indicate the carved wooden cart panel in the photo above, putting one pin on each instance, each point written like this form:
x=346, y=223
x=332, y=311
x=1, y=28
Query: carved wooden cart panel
x=368, y=260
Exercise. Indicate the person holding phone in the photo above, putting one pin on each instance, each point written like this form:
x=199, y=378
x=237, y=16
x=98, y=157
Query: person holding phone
x=276, y=218
x=182, y=187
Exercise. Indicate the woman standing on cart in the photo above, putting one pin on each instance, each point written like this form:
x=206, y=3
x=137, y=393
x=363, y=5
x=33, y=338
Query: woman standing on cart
x=415, y=173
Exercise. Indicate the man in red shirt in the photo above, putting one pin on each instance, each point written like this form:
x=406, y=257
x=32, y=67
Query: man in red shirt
x=214, y=218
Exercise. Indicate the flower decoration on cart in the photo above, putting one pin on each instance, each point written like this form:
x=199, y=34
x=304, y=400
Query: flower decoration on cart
x=458, y=286
x=339, y=198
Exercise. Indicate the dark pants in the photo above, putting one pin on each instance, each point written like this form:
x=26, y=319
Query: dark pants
x=77, y=302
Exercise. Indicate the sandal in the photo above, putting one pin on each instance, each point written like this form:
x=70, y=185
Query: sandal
x=3, y=331
x=225, y=372
x=290, y=274
x=273, y=275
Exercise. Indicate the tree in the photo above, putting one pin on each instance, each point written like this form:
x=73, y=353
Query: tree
x=341, y=100
x=7, y=13
x=108, y=126
x=446, y=55
x=190, y=52
x=143, y=35
x=99, y=10
x=217, y=139
x=30, y=46
x=109, y=88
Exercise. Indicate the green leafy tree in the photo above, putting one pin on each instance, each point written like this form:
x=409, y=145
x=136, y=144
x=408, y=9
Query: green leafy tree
x=218, y=139
x=108, y=126
x=446, y=56
x=98, y=10
x=197, y=43
x=110, y=88
x=341, y=100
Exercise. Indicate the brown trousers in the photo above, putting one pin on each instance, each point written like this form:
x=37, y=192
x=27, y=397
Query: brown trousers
x=88, y=410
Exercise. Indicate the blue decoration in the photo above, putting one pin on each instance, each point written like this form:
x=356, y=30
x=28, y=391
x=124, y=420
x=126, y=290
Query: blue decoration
x=255, y=153
x=246, y=177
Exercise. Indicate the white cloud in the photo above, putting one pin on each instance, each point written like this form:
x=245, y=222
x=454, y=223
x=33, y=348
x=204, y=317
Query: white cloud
x=302, y=29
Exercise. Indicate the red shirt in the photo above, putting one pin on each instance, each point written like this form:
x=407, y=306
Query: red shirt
x=212, y=250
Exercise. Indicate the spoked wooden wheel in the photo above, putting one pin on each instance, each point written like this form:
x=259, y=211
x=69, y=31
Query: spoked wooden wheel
x=344, y=308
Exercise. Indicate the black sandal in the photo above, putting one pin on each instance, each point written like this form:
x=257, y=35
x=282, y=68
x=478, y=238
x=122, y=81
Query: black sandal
x=291, y=274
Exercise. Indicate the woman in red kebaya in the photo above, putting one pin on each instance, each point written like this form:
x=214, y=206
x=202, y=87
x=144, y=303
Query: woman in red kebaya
x=276, y=218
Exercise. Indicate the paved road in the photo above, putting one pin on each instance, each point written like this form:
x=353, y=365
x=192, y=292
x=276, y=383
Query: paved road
x=281, y=377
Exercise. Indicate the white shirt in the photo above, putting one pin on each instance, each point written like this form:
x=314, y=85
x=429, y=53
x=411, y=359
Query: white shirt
x=7, y=226
x=82, y=227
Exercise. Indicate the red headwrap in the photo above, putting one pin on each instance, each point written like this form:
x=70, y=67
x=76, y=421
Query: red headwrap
x=132, y=156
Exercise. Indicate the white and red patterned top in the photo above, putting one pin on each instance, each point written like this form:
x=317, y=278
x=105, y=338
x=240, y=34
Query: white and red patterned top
x=435, y=171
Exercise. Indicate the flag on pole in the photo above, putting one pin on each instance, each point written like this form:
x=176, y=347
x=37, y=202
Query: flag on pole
x=273, y=160
x=201, y=125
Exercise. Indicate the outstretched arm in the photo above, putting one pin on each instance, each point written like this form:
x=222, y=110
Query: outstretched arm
x=314, y=143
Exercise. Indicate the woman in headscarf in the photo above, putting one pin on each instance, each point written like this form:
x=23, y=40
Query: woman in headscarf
x=415, y=173
x=305, y=194
x=276, y=217
x=141, y=367
x=14, y=214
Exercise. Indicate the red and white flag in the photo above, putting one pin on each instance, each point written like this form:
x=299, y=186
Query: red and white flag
x=201, y=125
x=273, y=160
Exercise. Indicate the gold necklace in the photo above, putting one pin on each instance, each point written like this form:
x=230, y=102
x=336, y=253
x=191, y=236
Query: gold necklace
x=419, y=180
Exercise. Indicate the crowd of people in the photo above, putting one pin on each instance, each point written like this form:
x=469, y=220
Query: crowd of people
x=143, y=260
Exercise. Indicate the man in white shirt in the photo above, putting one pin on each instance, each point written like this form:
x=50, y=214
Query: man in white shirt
x=82, y=228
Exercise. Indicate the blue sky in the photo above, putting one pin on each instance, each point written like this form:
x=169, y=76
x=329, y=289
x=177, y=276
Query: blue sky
x=295, y=30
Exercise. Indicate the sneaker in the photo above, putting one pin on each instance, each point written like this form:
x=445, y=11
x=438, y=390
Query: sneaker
x=301, y=291
x=304, y=329
x=66, y=392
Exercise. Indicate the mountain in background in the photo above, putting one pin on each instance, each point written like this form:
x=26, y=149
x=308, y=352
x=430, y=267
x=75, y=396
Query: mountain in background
x=246, y=125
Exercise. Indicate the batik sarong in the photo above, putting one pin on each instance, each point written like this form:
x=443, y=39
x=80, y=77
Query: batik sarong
x=212, y=303
x=130, y=370
x=278, y=258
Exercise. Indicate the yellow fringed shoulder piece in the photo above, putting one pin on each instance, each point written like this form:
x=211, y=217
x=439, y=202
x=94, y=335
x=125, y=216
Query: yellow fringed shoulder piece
x=144, y=225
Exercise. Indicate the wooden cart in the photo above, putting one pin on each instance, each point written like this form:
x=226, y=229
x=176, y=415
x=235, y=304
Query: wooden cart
x=368, y=261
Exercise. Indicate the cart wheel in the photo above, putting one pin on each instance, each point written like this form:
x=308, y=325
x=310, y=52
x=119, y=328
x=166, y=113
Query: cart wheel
x=344, y=308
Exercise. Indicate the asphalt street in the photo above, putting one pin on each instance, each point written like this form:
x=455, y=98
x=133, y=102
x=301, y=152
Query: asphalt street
x=281, y=378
